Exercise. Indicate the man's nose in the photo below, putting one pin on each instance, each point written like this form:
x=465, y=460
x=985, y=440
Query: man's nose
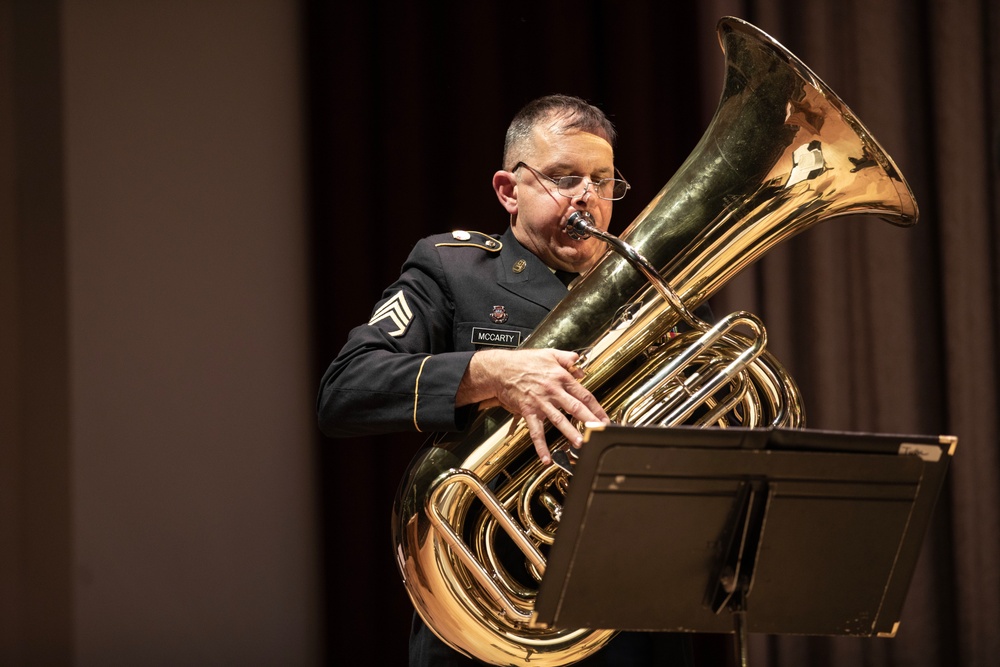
x=585, y=196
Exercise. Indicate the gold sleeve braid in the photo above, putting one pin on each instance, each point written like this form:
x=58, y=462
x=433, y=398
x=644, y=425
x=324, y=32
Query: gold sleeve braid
x=416, y=393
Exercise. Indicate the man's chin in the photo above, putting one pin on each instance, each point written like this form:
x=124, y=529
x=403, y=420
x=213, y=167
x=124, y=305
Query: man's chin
x=578, y=262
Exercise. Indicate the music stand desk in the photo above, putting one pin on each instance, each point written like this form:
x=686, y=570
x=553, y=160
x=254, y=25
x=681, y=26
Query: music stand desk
x=777, y=531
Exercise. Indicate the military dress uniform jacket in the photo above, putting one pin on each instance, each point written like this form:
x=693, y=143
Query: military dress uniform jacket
x=401, y=371
x=457, y=293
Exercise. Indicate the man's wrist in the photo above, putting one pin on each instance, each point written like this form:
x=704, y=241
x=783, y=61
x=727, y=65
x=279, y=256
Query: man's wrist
x=478, y=383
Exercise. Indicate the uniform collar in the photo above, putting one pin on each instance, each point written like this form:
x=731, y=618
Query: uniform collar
x=524, y=274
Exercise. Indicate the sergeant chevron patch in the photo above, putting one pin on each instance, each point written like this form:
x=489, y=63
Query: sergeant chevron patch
x=396, y=311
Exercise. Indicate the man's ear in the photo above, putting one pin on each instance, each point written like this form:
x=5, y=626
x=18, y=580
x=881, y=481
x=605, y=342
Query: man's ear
x=505, y=185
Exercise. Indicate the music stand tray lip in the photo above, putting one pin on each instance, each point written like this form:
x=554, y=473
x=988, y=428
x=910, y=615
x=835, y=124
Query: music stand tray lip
x=841, y=519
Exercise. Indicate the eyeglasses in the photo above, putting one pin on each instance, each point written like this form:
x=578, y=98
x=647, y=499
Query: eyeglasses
x=575, y=186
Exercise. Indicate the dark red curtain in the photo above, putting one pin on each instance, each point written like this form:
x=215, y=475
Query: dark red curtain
x=885, y=329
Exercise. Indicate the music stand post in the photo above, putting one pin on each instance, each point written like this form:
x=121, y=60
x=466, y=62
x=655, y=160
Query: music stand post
x=731, y=583
x=773, y=531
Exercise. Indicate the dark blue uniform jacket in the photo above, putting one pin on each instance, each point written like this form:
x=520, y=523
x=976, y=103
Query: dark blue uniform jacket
x=401, y=370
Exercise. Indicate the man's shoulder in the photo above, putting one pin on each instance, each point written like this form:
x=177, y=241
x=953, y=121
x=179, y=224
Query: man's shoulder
x=491, y=244
x=458, y=251
x=454, y=256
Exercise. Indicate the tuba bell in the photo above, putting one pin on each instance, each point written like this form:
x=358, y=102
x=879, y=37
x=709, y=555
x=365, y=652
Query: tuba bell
x=782, y=153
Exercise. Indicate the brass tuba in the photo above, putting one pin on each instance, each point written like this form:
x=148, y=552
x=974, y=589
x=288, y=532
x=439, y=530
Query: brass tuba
x=782, y=153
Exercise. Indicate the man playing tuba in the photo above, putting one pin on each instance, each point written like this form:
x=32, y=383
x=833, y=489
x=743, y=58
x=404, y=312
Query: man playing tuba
x=443, y=339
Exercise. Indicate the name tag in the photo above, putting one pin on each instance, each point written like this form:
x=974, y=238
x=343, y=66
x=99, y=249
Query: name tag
x=496, y=337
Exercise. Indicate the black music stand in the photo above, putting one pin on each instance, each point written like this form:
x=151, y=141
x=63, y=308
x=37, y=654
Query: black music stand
x=775, y=531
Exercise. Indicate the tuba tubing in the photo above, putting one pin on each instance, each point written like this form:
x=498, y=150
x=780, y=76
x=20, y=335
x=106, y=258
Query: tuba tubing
x=781, y=154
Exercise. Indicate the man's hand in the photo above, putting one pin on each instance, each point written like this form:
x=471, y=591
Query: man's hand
x=538, y=385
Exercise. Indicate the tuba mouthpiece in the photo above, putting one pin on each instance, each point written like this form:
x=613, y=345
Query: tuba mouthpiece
x=578, y=225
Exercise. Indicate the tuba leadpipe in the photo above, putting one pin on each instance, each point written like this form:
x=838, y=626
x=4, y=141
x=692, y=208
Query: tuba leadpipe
x=781, y=154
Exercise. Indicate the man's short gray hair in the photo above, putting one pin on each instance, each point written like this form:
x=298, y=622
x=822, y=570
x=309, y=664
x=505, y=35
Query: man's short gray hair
x=570, y=113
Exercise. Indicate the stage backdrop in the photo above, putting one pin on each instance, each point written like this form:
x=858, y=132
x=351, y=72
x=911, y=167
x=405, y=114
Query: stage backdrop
x=157, y=479
x=886, y=329
x=198, y=199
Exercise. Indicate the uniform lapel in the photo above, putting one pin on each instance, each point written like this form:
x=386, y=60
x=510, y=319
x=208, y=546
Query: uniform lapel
x=523, y=274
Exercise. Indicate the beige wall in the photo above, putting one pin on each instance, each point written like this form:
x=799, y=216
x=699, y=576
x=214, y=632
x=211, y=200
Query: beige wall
x=156, y=463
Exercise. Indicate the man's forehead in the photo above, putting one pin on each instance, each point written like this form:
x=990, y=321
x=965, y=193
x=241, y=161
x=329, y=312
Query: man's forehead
x=554, y=141
x=562, y=127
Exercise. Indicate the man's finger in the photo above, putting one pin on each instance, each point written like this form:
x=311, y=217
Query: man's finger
x=586, y=408
x=565, y=426
x=537, y=432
